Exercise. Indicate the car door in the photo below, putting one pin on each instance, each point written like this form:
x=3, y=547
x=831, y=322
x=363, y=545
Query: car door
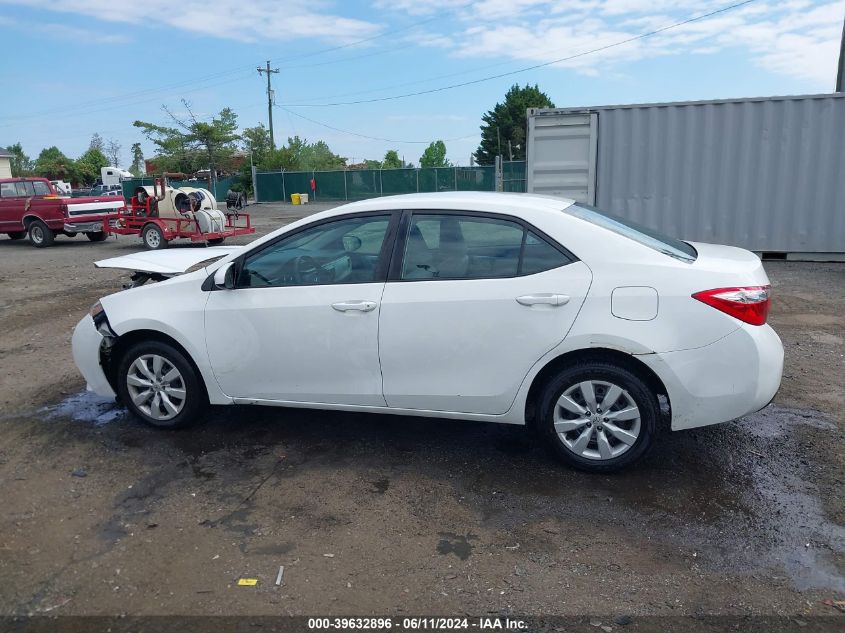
x=301, y=323
x=472, y=303
x=10, y=208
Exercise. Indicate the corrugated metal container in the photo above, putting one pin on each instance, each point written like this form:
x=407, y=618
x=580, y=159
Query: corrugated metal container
x=767, y=174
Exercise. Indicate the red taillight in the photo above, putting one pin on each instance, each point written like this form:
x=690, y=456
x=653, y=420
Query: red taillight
x=748, y=303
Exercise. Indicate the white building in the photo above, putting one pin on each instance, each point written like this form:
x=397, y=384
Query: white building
x=5, y=163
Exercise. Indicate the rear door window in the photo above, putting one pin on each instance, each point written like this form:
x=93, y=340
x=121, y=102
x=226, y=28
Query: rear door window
x=454, y=246
x=40, y=188
x=7, y=190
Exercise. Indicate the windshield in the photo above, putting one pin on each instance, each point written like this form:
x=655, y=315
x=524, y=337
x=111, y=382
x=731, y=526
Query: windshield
x=647, y=237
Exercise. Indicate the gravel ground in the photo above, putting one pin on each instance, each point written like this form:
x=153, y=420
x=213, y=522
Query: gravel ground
x=393, y=515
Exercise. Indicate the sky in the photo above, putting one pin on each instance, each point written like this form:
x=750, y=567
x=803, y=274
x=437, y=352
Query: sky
x=70, y=68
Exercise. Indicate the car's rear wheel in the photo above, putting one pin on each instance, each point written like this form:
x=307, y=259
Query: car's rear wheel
x=598, y=417
x=40, y=235
x=97, y=236
x=160, y=386
x=153, y=237
x=16, y=235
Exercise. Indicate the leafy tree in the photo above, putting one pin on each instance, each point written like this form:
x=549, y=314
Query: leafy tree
x=21, y=163
x=52, y=164
x=392, y=160
x=87, y=167
x=508, y=122
x=256, y=141
x=137, y=167
x=434, y=155
x=97, y=143
x=189, y=144
x=112, y=152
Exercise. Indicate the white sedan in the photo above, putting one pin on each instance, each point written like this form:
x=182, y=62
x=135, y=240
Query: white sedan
x=509, y=308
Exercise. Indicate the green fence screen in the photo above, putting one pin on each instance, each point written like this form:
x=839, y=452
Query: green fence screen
x=358, y=184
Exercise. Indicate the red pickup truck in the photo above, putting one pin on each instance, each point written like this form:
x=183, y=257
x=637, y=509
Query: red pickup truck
x=31, y=206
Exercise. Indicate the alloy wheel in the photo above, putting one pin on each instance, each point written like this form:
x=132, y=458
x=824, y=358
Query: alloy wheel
x=597, y=420
x=156, y=387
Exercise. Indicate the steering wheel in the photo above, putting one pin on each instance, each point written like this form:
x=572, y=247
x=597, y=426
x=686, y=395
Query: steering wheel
x=305, y=265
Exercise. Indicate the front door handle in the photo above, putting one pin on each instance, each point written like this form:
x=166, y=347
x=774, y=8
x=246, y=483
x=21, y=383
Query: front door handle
x=543, y=298
x=360, y=306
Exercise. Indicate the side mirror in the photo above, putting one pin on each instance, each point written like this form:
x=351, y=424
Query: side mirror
x=224, y=277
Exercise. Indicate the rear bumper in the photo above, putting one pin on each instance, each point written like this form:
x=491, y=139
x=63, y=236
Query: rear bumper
x=86, y=344
x=734, y=376
x=84, y=227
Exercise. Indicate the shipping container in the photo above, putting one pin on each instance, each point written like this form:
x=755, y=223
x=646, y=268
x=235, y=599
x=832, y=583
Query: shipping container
x=766, y=174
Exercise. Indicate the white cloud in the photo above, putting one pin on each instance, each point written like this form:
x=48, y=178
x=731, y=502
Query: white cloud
x=796, y=38
x=247, y=20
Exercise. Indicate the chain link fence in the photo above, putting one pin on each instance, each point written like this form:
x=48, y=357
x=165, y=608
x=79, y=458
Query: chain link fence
x=359, y=184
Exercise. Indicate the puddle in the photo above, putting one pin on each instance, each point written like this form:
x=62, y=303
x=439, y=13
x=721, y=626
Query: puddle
x=87, y=407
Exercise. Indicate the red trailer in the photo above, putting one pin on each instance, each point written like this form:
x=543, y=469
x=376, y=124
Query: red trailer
x=159, y=224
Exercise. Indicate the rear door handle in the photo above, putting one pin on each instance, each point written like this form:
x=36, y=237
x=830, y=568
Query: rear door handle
x=360, y=306
x=543, y=298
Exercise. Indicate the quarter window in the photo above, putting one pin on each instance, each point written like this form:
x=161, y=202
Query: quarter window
x=7, y=190
x=342, y=252
x=448, y=246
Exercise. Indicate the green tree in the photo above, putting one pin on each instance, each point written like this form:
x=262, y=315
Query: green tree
x=256, y=141
x=87, y=167
x=189, y=144
x=434, y=155
x=507, y=122
x=392, y=160
x=21, y=163
x=137, y=167
x=52, y=164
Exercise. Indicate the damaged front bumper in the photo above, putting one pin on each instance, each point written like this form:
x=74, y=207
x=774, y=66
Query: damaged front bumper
x=87, y=344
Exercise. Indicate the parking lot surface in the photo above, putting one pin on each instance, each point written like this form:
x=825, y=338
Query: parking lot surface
x=391, y=515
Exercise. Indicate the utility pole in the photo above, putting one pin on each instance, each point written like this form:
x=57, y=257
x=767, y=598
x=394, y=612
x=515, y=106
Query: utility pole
x=269, y=99
x=840, y=75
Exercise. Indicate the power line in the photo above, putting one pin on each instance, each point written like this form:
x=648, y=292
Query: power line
x=527, y=68
x=372, y=138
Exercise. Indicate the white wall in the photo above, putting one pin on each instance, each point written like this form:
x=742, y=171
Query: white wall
x=5, y=168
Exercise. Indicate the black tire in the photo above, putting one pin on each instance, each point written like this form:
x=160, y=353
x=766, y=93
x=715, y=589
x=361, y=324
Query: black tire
x=217, y=241
x=153, y=237
x=602, y=372
x=97, y=236
x=17, y=235
x=196, y=398
x=40, y=235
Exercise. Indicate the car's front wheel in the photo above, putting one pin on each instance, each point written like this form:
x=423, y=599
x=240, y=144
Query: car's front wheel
x=598, y=417
x=160, y=386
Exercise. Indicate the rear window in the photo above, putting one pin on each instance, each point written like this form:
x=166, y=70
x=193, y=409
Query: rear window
x=647, y=237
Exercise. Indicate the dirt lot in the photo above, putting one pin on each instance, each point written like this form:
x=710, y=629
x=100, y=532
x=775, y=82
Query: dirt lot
x=391, y=515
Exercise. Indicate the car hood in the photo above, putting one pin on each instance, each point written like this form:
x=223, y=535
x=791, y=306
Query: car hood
x=167, y=262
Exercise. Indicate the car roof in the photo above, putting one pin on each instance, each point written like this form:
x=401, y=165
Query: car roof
x=461, y=200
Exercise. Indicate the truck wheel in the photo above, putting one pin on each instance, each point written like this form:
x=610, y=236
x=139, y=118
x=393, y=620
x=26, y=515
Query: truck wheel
x=217, y=241
x=160, y=386
x=153, y=237
x=40, y=235
x=17, y=235
x=97, y=236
